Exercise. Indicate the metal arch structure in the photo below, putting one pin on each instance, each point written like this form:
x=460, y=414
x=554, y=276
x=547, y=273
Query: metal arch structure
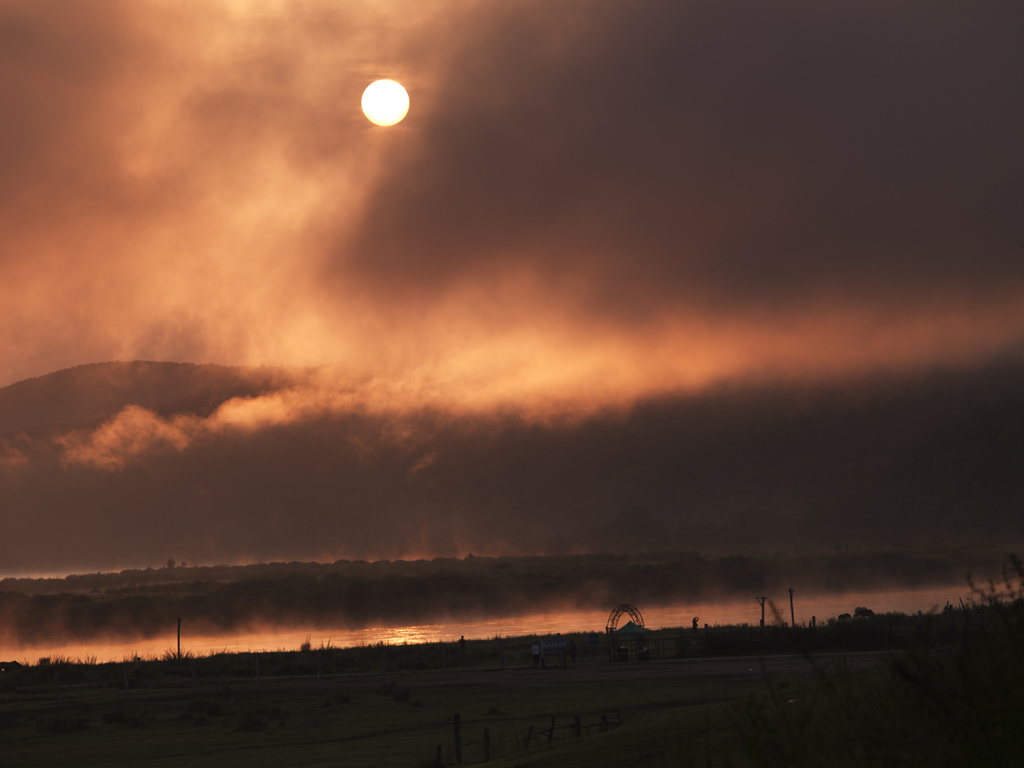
x=616, y=614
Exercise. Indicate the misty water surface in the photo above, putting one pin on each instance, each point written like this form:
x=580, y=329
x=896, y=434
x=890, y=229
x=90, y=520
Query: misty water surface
x=822, y=607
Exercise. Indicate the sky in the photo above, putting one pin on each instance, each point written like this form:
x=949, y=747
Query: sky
x=589, y=201
x=592, y=204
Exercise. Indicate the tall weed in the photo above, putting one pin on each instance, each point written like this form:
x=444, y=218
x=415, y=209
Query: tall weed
x=954, y=704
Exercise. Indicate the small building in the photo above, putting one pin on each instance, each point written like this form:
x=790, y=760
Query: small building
x=631, y=641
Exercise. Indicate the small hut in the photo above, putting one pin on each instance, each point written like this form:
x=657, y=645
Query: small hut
x=631, y=641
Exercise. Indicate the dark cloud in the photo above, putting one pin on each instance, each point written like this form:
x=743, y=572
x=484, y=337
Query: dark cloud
x=719, y=157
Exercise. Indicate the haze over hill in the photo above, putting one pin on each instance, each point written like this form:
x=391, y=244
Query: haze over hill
x=127, y=464
x=86, y=394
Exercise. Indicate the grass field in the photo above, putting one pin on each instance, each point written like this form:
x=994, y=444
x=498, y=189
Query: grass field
x=396, y=719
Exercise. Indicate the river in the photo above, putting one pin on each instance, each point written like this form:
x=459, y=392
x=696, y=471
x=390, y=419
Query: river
x=820, y=606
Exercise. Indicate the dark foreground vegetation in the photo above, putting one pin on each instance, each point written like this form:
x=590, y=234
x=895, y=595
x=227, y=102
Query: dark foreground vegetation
x=945, y=689
x=215, y=599
x=958, y=702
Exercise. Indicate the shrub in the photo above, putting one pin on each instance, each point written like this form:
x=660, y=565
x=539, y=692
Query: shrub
x=65, y=724
x=959, y=704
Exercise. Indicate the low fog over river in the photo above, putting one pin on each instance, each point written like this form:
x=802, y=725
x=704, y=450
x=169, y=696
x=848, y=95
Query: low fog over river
x=822, y=607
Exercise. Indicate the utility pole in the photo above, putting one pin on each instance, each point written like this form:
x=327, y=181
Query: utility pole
x=761, y=601
x=792, y=616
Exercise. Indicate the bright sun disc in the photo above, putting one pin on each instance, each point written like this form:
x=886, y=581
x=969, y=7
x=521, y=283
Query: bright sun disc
x=385, y=102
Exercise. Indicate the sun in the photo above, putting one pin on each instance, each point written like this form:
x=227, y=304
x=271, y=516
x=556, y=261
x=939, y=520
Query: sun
x=385, y=102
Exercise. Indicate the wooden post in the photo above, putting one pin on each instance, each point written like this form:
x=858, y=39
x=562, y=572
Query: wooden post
x=529, y=735
x=257, y=669
x=56, y=683
x=126, y=679
x=179, y=638
x=487, y=745
x=579, y=730
x=761, y=601
x=792, y=616
x=813, y=622
x=551, y=731
x=458, y=740
x=193, y=674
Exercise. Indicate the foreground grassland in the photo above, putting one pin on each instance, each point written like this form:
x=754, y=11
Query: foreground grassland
x=651, y=710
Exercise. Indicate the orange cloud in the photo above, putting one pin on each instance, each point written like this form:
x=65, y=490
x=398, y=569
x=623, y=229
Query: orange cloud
x=614, y=212
x=561, y=380
x=133, y=431
x=11, y=457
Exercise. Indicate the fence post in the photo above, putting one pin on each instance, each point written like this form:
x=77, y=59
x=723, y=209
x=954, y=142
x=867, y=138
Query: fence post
x=458, y=740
